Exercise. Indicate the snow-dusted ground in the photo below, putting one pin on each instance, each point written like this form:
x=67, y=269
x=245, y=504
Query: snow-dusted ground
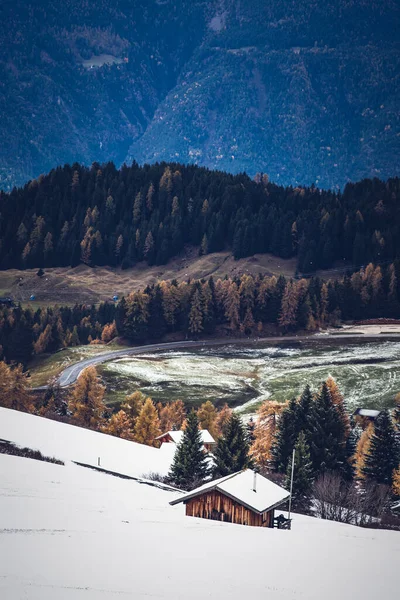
x=71, y=533
x=67, y=442
x=366, y=371
x=68, y=533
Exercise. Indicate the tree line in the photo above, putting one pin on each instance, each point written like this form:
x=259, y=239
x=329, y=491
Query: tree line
x=104, y=216
x=232, y=306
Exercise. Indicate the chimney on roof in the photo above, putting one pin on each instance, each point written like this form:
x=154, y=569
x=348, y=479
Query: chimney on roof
x=254, y=481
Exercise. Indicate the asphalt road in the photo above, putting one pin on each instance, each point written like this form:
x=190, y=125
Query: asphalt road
x=71, y=373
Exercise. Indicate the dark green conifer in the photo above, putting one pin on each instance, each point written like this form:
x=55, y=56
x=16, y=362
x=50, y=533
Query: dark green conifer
x=383, y=456
x=189, y=467
x=288, y=430
x=232, y=451
x=325, y=435
x=303, y=472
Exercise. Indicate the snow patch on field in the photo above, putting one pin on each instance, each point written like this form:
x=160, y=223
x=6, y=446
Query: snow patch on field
x=367, y=372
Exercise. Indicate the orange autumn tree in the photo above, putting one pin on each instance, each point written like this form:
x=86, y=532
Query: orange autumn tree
x=338, y=401
x=133, y=405
x=172, y=415
x=147, y=426
x=207, y=416
x=265, y=430
x=14, y=392
x=222, y=419
x=86, y=401
x=396, y=482
x=362, y=449
x=119, y=425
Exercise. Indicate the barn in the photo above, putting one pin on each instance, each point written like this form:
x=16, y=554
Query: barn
x=245, y=498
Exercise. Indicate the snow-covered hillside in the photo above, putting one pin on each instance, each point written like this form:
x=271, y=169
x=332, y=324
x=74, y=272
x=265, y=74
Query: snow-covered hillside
x=70, y=533
x=67, y=442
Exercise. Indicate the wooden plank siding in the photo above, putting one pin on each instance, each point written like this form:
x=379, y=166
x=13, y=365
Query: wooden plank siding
x=218, y=507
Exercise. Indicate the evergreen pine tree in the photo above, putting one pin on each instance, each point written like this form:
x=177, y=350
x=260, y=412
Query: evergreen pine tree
x=189, y=467
x=289, y=427
x=304, y=407
x=383, y=454
x=325, y=435
x=232, y=450
x=303, y=472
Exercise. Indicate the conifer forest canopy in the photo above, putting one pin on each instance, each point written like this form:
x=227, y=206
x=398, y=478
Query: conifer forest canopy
x=104, y=216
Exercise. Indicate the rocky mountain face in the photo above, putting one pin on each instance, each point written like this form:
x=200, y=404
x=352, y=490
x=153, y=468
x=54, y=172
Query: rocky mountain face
x=304, y=90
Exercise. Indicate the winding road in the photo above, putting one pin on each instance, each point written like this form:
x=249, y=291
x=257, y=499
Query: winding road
x=71, y=373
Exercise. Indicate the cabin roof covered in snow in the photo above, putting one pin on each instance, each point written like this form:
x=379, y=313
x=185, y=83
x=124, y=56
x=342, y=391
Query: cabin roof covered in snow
x=239, y=487
x=177, y=436
x=367, y=412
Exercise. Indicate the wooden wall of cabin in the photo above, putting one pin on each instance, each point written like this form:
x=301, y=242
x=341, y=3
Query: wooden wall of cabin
x=214, y=505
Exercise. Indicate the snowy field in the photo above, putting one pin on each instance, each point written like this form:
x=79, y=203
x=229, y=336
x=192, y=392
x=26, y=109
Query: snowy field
x=367, y=373
x=68, y=533
x=69, y=443
x=71, y=533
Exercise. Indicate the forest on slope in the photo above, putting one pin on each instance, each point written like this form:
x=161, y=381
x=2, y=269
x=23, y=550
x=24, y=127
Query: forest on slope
x=104, y=216
x=305, y=91
x=226, y=307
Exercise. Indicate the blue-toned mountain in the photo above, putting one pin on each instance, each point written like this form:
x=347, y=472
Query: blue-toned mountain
x=305, y=90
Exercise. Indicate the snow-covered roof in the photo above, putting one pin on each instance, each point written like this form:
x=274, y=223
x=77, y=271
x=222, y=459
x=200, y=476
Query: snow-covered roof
x=176, y=436
x=367, y=412
x=239, y=487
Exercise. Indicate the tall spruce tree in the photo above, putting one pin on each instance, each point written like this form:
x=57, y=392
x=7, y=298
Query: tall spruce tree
x=232, y=451
x=304, y=407
x=190, y=465
x=383, y=455
x=303, y=472
x=326, y=436
x=289, y=428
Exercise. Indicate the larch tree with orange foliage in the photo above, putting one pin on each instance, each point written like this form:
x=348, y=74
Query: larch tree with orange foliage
x=265, y=430
x=14, y=391
x=396, y=482
x=147, y=426
x=86, y=401
x=109, y=332
x=133, y=405
x=338, y=401
x=361, y=450
x=172, y=415
x=222, y=419
x=119, y=425
x=207, y=416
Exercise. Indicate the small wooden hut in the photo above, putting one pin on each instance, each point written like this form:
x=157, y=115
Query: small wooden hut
x=245, y=498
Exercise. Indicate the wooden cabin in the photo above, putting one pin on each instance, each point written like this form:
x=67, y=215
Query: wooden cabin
x=175, y=437
x=244, y=498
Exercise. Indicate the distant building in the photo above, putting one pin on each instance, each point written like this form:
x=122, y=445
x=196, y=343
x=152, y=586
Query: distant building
x=175, y=437
x=366, y=413
x=244, y=498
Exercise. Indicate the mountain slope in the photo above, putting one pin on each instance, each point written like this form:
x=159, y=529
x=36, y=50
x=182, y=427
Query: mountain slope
x=305, y=91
